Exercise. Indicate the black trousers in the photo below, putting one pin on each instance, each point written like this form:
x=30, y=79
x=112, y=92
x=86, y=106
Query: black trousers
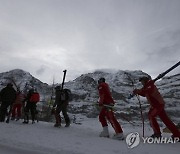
x=62, y=107
x=30, y=106
x=3, y=110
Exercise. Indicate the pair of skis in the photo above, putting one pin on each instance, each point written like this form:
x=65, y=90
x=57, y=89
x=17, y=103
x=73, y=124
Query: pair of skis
x=64, y=76
x=115, y=108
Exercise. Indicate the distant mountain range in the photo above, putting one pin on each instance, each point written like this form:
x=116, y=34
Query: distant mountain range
x=84, y=90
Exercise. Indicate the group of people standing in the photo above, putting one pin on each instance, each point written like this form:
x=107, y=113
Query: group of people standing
x=18, y=103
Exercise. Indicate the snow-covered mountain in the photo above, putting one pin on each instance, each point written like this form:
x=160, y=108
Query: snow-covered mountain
x=24, y=80
x=170, y=90
x=84, y=88
x=85, y=94
x=120, y=83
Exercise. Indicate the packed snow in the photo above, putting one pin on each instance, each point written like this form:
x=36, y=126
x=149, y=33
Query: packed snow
x=43, y=138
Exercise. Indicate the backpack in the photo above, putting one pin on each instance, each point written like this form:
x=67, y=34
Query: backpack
x=66, y=95
x=35, y=97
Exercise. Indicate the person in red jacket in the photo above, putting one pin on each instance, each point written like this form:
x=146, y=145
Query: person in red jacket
x=17, y=105
x=105, y=98
x=156, y=101
x=32, y=99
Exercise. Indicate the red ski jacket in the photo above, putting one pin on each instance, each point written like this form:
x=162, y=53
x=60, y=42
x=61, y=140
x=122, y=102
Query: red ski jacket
x=104, y=94
x=35, y=97
x=19, y=98
x=152, y=94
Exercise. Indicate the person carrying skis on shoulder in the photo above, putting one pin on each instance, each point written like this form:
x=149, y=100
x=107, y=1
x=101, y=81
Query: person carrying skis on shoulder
x=107, y=113
x=61, y=104
x=8, y=96
x=17, y=105
x=150, y=91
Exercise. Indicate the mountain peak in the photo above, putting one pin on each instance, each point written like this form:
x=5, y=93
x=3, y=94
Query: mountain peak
x=22, y=79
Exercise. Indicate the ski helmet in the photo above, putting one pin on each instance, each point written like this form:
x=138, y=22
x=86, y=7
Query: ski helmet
x=9, y=85
x=145, y=78
x=58, y=87
x=101, y=80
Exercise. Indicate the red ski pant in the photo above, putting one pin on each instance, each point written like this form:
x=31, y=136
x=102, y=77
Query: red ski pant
x=16, y=110
x=153, y=113
x=109, y=115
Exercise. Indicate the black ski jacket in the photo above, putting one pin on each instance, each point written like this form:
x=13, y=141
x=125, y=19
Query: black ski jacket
x=8, y=94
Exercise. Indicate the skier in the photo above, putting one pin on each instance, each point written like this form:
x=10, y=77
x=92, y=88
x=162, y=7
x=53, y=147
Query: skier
x=31, y=101
x=105, y=98
x=61, y=103
x=150, y=91
x=8, y=96
x=17, y=105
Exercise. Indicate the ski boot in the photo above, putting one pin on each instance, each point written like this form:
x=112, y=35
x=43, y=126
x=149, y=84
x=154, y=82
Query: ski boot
x=156, y=135
x=12, y=118
x=175, y=138
x=67, y=120
x=105, y=132
x=118, y=136
x=67, y=124
x=57, y=125
x=17, y=118
x=25, y=122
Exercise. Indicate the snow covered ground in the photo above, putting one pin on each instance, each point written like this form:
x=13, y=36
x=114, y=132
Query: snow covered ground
x=43, y=138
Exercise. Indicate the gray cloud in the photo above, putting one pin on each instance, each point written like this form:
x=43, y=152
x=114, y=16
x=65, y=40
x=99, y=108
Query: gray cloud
x=46, y=36
x=41, y=70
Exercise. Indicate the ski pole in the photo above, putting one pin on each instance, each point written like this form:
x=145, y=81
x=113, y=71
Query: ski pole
x=130, y=122
x=52, y=94
x=142, y=117
x=109, y=106
x=139, y=101
x=167, y=71
x=115, y=109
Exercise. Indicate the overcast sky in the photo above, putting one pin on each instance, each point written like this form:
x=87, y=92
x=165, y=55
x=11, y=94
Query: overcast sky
x=44, y=37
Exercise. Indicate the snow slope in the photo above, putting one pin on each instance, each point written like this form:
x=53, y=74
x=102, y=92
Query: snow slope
x=43, y=138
